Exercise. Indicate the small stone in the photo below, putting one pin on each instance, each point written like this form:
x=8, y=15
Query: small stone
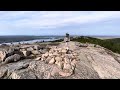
x=50, y=54
x=66, y=60
x=60, y=65
x=46, y=54
x=55, y=71
x=47, y=59
x=52, y=61
x=73, y=63
x=38, y=58
x=64, y=74
x=62, y=56
x=73, y=67
x=55, y=53
x=15, y=76
x=3, y=72
x=75, y=54
x=35, y=52
x=67, y=66
x=70, y=56
x=59, y=49
x=47, y=75
x=43, y=57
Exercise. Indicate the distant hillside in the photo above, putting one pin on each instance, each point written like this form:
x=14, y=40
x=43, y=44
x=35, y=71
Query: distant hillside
x=111, y=44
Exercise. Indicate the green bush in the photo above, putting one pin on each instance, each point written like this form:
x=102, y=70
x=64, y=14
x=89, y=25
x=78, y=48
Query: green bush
x=111, y=44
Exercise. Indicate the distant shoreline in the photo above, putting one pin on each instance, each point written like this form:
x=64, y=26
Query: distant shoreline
x=32, y=39
x=26, y=39
x=106, y=37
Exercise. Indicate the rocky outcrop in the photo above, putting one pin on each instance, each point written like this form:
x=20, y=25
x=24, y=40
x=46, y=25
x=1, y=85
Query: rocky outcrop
x=12, y=58
x=64, y=61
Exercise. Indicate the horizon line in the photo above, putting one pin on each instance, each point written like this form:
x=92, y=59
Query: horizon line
x=59, y=35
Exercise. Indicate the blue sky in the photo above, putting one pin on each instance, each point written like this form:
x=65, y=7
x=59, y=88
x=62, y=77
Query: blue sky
x=59, y=22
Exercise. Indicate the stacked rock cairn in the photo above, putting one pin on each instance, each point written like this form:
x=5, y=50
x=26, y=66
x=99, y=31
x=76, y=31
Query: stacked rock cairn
x=63, y=57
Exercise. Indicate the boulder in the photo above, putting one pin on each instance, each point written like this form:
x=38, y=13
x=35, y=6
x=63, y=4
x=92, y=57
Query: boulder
x=54, y=47
x=3, y=72
x=19, y=52
x=14, y=75
x=35, y=52
x=50, y=54
x=43, y=58
x=30, y=49
x=4, y=45
x=46, y=57
x=43, y=51
x=55, y=71
x=26, y=53
x=69, y=51
x=59, y=64
x=67, y=66
x=70, y=56
x=91, y=45
x=46, y=54
x=58, y=58
x=10, y=51
x=66, y=60
x=51, y=51
x=12, y=58
x=22, y=49
x=25, y=46
x=85, y=45
x=36, y=47
x=49, y=58
x=63, y=50
x=59, y=49
x=23, y=74
x=65, y=74
x=73, y=62
x=2, y=55
x=98, y=46
x=17, y=48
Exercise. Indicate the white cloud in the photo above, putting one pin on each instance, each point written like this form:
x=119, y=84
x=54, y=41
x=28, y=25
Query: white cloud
x=52, y=19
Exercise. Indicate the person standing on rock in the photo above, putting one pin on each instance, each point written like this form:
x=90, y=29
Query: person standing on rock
x=67, y=37
x=66, y=40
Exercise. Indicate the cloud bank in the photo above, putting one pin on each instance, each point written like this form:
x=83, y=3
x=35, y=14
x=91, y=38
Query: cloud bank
x=59, y=22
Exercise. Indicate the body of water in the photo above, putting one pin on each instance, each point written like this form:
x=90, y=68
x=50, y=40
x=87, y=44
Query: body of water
x=27, y=39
